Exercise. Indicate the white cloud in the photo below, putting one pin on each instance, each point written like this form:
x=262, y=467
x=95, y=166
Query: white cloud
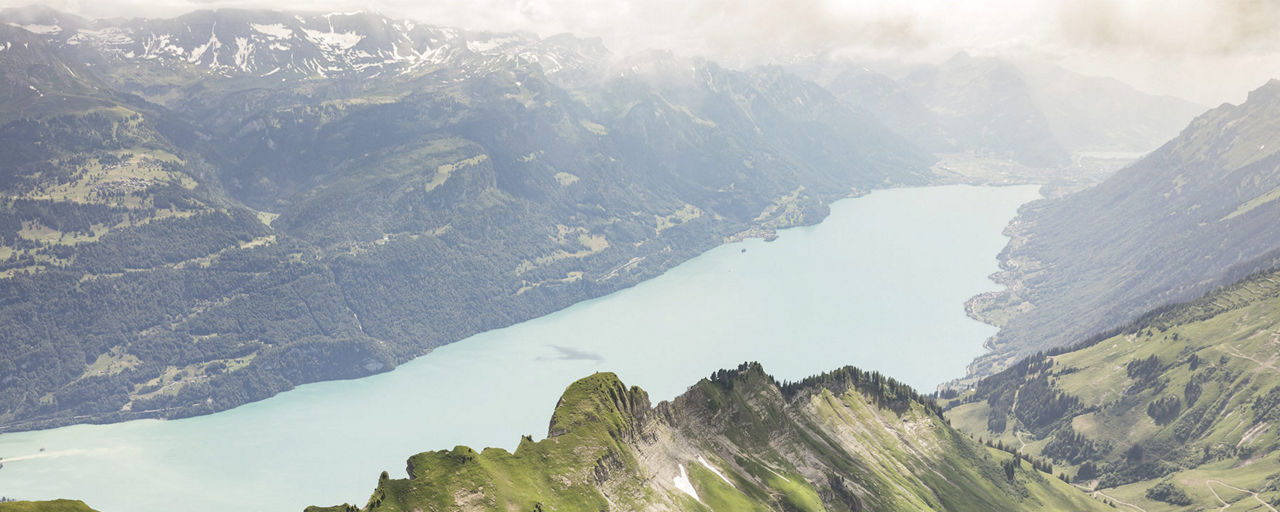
x=1207, y=50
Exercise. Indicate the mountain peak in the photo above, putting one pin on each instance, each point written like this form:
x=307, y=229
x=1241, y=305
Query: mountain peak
x=38, y=14
x=41, y=20
x=1269, y=91
x=600, y=399
x=282, y=45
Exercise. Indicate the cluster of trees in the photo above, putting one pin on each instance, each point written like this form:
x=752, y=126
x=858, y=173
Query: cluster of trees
x=1199, y=415
x=1141, y=461
x=887, y=392
x=1266, y=407
x=45, y=150
x=1088, y=470
x=1169, y=493
x=1039, y=464
x=1070, y=446
x=64, y=216
x=994, y=388
x=1164, y=409
x=1191, y=391
x=727, y=377
x=1272, y=484
x=1039, y=407
x=167, y=241
x=1143, y=369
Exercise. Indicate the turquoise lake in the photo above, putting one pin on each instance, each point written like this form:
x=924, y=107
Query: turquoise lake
x=880, y=284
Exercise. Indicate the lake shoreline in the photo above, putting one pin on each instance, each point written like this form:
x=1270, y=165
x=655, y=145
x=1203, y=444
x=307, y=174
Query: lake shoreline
x=879, y=284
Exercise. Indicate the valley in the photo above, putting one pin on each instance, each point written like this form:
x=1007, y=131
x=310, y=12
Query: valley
x=250, y=200
x=250, y=258
x=236, y=235
x=850, y=288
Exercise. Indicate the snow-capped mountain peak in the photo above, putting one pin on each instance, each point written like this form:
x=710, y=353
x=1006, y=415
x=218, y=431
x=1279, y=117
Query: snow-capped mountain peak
x=281, y=45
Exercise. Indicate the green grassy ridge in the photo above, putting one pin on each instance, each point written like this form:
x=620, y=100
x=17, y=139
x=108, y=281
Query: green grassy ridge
x=45, y=506
x=1185, y=395
x=743, y=441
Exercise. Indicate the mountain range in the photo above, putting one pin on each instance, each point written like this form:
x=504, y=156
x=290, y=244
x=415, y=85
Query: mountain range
x=183, y=234
x=202, y=211
x=206, y=210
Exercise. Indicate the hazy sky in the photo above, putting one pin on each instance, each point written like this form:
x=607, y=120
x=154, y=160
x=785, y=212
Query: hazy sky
x=1209, y=51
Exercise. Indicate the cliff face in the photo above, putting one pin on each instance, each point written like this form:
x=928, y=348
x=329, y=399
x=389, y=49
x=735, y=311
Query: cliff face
x=846, y=440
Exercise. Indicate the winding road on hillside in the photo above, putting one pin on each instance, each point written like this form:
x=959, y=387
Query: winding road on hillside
x=1267, y=365
x=1118, y=502
x=1096, y=493
x=1225, y=505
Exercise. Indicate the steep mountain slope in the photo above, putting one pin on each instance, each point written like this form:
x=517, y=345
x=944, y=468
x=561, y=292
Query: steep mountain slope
x=1195, y=214
x=37, y=81
x=206, y=236
x=1035, y=114
x=105, y=204
x=846, y=440
x=1090, y=114
x=1184, y=398
x=985, y=104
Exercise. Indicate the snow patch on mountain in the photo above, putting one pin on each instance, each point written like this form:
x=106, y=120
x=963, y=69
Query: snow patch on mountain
x=160, y=45
x=490, y=44
x=684, y=484
x=212, y=44
x=295, y=46
x=334, y=40
x=105, y=37
x=40, y=29
x=244, y=54
x=275, y=30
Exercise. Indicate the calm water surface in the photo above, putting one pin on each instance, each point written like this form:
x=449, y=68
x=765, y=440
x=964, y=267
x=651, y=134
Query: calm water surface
x=880, y=284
